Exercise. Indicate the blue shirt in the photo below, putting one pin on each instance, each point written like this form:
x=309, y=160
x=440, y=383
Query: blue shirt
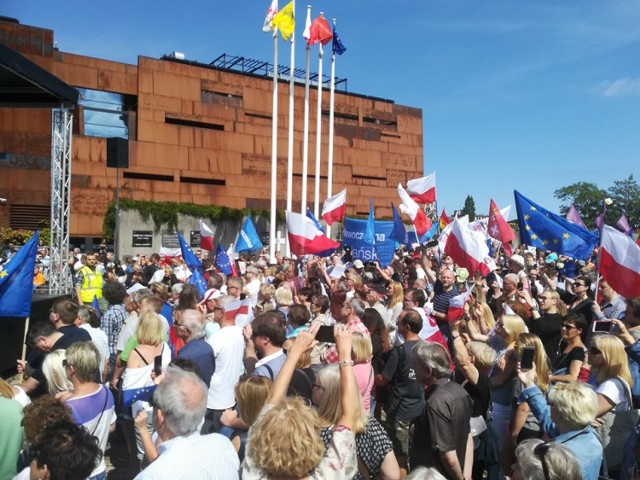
x=584, y=444
x=201, y=353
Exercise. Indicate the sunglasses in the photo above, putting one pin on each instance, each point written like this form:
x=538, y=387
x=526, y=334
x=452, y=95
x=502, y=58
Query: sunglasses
x=568, y=327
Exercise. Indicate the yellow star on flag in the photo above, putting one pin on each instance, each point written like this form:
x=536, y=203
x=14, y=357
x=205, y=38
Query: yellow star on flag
x=527, y=216
x=527, y=228
x=533, y=208
x=545, y=242
x=3, y=274
x=565, y=235
x=556, y=241
x=534, y=236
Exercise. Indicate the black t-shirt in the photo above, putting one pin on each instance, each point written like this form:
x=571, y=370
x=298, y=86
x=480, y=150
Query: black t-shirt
x=564, y=359
x=70, y=335
x=480, y=393
x=406, y=394
x=547, y=327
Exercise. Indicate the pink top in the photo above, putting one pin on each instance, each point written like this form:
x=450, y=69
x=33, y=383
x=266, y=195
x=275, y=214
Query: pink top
x=364, y=378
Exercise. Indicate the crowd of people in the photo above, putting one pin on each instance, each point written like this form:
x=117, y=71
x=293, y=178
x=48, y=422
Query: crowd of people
x=320, y=368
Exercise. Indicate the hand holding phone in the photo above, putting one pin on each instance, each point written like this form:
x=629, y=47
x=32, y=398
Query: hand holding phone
x=157, y=364
x=325, y=334
x=602, y=326
x=526, y=360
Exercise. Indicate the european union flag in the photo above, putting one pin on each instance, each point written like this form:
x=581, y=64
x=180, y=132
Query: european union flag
x=16, y=281
x=143, y=394
x=542, y=229
x=223, y=263
x=187, y=254
x=96, y=306
x=198, y=280
x=248, y=238
x=315, y=221
x=337, y=46
x=370, y=231
x=398, y=233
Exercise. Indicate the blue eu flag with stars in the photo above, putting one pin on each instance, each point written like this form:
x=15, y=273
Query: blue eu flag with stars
x=16, y=281
x=545, y=230
x=187, y=254
x=143, y=394
x=223, y=263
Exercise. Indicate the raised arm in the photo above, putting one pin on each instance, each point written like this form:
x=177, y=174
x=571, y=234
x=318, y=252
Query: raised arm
x=348, y=387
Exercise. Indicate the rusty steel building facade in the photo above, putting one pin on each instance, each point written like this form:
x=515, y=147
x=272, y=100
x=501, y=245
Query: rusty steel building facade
x=196, y=134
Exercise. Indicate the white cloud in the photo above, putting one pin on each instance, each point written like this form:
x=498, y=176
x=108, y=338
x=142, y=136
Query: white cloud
x=618, y=88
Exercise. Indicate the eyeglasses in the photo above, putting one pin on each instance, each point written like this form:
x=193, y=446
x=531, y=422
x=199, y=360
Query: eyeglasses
x=594, y=351
x=577, y=284
x=319, y=387
x=541, y=297
x=568, y=327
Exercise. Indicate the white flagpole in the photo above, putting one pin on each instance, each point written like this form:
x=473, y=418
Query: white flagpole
x=291, y=125
x=316, y=196
x=274, y=151
x=332, y=96
x=305, y=142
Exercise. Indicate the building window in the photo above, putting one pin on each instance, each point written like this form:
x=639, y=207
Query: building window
x=106, y=114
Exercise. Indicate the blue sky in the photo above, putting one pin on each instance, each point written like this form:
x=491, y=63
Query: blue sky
x=528, y=95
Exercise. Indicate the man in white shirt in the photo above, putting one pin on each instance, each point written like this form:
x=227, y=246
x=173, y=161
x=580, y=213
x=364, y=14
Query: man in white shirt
x=180, y=404
x=228, y=349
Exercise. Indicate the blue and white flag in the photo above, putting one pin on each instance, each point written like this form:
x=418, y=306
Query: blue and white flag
x=248, y=238
x=315, y=220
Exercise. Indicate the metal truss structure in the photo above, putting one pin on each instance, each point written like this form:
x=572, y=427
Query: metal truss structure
x=61, y=128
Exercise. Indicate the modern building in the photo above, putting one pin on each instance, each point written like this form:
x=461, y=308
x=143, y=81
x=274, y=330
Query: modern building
x=195, y=132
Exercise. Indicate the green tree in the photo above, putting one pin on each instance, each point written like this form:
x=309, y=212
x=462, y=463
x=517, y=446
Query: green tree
x=469, y=208
x=626, y=201
x=587, y=198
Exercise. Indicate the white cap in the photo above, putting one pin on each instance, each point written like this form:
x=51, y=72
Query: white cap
x=210, y=294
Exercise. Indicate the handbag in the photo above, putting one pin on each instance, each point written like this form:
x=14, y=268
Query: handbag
x=616, y=429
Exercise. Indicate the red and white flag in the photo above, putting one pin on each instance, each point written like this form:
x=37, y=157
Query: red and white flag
x=431, y=332
x=456, y=306
x=499, y=229
x=423, y=190
x=206, y=237
x=231, y=253
x=417, y=215
x=620, y=262
x=268, y=19
x=240, y=311
x=333, y=208
x=305, y=237
x=467, y=249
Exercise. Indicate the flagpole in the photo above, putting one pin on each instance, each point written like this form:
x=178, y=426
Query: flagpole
x=24, y=348
x=305, y=143
x=332, y=96
x=274, y=151
x=291, y=125
x=316, y=200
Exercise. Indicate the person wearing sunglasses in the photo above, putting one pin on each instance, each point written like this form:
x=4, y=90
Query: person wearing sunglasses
x=570, y=364
x=582, y=301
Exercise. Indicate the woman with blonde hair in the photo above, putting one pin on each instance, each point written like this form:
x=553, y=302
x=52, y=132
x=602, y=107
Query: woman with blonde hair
x=524, y=424
x=266, y=302
x=610, y=374
x=395, y=295
x=54, y=371
x=373, y=446
x=362, y=352
x=285, y=439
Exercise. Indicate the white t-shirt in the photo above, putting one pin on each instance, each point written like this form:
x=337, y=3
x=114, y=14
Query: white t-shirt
x=228, y=349
x=100, y=340
x=615, y=390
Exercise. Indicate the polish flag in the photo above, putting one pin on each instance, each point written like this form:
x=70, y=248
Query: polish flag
x=431, y=333
x=417, y=215
x=467, y=249
x=305, y=238
x=231, y=253
x=333, y=208
x=620, y=262
x=423, y=190
x=499, y=229
x=240, y=311
x=456, y=306
x=206, y=237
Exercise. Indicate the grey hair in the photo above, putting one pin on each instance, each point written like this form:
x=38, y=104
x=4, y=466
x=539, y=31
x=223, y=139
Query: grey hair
x=434, y=356
x=424, y=473
x=182, y=397
x=358, y=306
x=177, y=288
x=194, y=321
x=560, y=461
x=224, y=300
x=141, y=294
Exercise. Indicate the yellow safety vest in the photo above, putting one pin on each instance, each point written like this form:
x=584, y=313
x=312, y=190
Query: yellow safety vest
x=92, y=285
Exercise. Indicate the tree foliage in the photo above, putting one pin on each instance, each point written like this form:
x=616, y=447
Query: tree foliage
x=469, y=208
x=589, y=198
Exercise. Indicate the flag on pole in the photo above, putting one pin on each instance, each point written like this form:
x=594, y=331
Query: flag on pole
x=222, y=262
x=623, y=225
x=305, y=238
x=206, y=237
x=574, y=216
x=315, y=220
x=423, y=190
x=188, y=256
x=542, y=229
x=231, y=252
x=333, y=208
x=444, y=220
x=268, y=19
x=409, y=207
x=198, y=281
x=620, y=262
x=285, y=21
x=319, y=31
x=370, y=230
x=96, y=306
x=337, y=46
x=306, y=33
x=499, y=229
x=16, y=280
x=398, y=233
x=467, y=249
x=248, y=238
